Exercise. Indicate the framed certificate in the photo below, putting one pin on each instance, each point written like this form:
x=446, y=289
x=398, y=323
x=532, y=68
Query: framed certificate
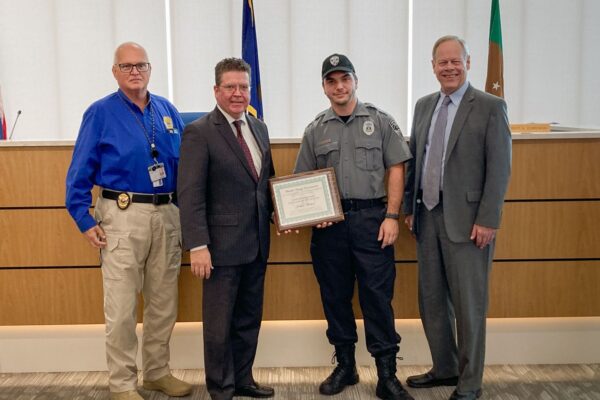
x=306, y=199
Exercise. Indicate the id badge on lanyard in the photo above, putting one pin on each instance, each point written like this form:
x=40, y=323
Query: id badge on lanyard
x=157, y=174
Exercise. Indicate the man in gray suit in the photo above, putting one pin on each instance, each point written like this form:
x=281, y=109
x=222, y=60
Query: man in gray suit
x=225, y=208
x=454, y=194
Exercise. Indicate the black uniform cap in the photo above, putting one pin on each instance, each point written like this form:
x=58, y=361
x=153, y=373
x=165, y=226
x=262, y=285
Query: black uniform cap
x=336, y=62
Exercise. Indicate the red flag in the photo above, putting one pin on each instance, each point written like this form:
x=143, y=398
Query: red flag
x=2, y=119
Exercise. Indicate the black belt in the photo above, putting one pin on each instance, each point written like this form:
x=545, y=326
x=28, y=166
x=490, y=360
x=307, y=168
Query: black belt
x=359, y=204
x=157, y=199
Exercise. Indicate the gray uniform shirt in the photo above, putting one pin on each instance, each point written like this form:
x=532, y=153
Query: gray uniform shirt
x=359, y=150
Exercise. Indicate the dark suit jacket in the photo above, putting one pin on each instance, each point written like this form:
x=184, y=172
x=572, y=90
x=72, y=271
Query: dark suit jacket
x=477, y=163
x=220, y=203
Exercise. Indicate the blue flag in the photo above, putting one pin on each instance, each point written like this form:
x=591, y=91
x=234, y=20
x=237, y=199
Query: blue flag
x=250, y=55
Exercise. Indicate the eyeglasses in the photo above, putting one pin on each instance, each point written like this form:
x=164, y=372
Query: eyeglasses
x=232, y=88
x=141, y=67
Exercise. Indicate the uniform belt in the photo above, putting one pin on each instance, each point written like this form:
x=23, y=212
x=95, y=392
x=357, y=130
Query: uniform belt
x=359, y=204
x=157, y=199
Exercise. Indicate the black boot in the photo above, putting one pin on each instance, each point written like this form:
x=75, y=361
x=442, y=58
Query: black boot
x=388, y=386
x=344, y=374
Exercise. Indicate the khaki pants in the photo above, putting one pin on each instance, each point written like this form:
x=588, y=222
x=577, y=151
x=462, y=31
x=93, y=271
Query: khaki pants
x=143, y=254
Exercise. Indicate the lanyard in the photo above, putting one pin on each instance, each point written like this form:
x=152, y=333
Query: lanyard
x=153, y=150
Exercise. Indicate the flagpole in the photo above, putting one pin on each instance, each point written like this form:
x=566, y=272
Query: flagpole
x=250, y=55
x=495, y=74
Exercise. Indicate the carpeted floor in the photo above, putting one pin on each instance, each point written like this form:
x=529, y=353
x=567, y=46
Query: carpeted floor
x=501, y=382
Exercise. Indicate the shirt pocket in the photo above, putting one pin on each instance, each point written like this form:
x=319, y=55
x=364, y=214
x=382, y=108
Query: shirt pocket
x=328, y=155
x=367, y=154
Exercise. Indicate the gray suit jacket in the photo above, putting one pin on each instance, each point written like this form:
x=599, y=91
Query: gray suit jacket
x=477, y=164
x=220, y=203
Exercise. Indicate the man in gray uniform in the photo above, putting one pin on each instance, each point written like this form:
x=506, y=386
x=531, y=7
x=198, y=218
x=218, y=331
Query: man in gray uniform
x=360, y=142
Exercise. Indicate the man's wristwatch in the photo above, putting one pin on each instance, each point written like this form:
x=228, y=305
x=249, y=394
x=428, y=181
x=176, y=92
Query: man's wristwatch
x=392, y=216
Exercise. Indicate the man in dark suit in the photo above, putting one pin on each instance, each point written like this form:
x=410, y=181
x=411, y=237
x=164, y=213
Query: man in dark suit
x=454, y=194
x=225, y=208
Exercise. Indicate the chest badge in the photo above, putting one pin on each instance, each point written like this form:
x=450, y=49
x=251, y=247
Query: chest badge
x=168, y=123
x=368, y=127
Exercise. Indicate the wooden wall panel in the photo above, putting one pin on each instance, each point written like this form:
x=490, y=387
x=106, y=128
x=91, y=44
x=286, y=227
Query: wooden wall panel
x=190, y=296
x=74, y=295
x=545, y=289
x=540, y=230
x=553, y=245
x=520, y=289
x=43, y=237
x=555, y=169
x=540, y=171
x=284, y=158
x=51, y=297
x=57, y=242
x=34, y=176
x=290, y=248
x=405, y=292
x=292, y=293
x=543, y=230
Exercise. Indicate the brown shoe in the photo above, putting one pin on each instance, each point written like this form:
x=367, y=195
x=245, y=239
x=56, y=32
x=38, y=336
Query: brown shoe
x=169, y=385
x=129, y=395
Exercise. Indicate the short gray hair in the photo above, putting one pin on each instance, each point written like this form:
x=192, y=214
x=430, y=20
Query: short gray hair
x=447, y=38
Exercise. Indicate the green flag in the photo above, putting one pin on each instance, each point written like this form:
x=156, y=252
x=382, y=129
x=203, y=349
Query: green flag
x=494, y=83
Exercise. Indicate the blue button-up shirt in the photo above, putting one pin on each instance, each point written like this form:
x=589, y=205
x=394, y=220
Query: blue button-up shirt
x=113, y=151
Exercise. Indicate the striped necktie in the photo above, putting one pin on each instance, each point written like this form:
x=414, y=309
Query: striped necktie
x=432, y=179
x=245, y=148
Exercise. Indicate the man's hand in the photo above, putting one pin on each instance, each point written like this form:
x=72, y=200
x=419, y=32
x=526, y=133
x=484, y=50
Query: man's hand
x=409, y=220
x=388, y=232
x=482, y=235
x=201, y=263
x=323, y=225
x=288, y=231
x=96, y=237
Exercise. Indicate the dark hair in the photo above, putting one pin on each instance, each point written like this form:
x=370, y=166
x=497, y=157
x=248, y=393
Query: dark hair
x=230, y=64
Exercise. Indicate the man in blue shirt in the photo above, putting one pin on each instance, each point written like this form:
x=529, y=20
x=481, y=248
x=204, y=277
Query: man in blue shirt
x=128, y=145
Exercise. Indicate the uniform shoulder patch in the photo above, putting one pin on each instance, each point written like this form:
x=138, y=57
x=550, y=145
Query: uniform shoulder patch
x=395, y=126
x=385, y=117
